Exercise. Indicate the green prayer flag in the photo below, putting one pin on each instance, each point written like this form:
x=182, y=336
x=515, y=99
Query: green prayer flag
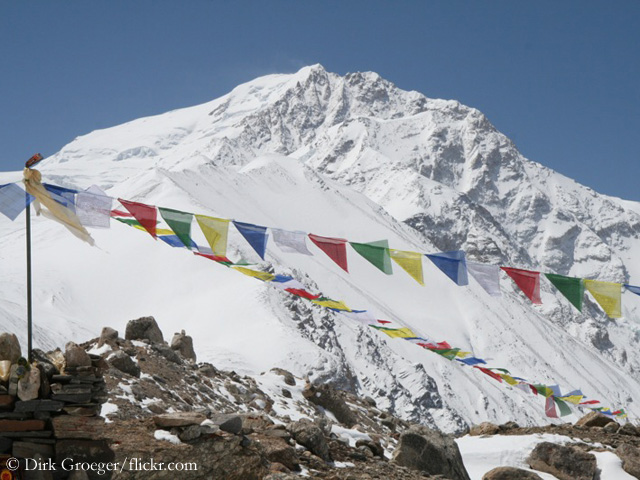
x=572, y=288
x=128, y=221
x=562, y=406
x=180, y=223
x=377, y=253
x=448, y=353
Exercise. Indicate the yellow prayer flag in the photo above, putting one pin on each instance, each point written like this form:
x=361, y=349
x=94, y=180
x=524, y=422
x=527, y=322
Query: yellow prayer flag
x=397, y=332
x=608, y=295
x=575, y=399
x=508, y=378
x=265, y=276
x=462, y=354
x=411, y=262
x=159, y=231
x=337, y=304
x=215, y=230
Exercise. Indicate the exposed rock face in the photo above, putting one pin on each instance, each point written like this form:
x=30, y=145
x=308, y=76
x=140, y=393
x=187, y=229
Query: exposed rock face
x=144, y=328
x=9, y=347
x=594, y=419
x=510, y=473
x=566, y=463
x=76, y=356
x=432, y=452
x=124, y=363
x=309, y=434
x=630, y=457
x=328, y=397
x=183, y=343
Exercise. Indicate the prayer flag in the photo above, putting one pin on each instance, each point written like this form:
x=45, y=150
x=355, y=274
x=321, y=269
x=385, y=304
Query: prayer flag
x=572, y=288
x=396, y=332
x=175, y=241
x=550, y=408
x=608, y=295
x=93, y=207
x=543, y=390
x=335, y=248
x=361, y=316
x=562, y=406
x=333, y=304
x=64, y=196
x=448, y=353
x=472, y=361
x=256, y=235
x=452, y=264
x=145, y=214
x=528, y=281
x=264, y=276
x=216, y=231
x=493, y=375
x=302, y=293
x=180, y=223
x=488, y=276
x=13, y=200
x=290, y=242
x=632, y=289
x=411, y=262
x=377, y=253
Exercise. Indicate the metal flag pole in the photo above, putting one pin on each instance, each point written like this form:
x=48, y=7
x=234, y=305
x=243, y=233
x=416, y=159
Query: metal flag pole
x=30, y=163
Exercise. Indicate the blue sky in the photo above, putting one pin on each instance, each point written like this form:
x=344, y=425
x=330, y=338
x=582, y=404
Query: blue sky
x=561, y=79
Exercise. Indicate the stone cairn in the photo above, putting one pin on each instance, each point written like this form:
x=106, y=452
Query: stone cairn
x=50, y=408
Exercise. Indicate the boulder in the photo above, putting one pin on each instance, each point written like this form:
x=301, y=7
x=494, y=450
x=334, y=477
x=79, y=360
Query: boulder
x=309, y=435
x=594, y=419
x=288, y=377
x=29, y=385
x=124, y=363
x=328, y=397
x=510, y=473
x=485, y=428
x=144, y=328
x=611, y=427
x=167, y=353
x=228, y=422
x=630, y=457
x=277, y=450
x=430, y=451
x=629, y=429
x=566, y=463
x=108, y=336
x=179, y=419
x=9, y=347
x=183, y=343
x=75, y=356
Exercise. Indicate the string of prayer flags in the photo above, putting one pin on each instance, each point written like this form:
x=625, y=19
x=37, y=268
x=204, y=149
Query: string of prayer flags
x=216, y=231
x=543, y=390
x=13, y=200
x=300, y=292
x=332, y=304
x=608, y=295
x=448, y=353
x=176, y=242
x=335, y=248
x=216, y=258
x=572, y=288
x=377, y=253
x=486, y=371
x=290, y=241
x=264, y=276
x=452, y=264
x=146, y=215
x=632, y=289
x=410, y=262
x=572, y=397
x=528, y=281
x=361, y=316
x=180, y=223
x=93, y=207
x=255, y=235
x=488, y=276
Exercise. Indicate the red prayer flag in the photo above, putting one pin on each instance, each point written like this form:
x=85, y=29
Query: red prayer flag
x=590, y=402
x=302, y=293
x=383, y=321
x=528, y=281
x=145, y=214
x=490, y=373
x=335, y=248
x=215, y=258
x=550, y=408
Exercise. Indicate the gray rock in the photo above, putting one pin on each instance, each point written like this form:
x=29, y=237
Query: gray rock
x=167, y=352
x=328, y=397
x=183, y=343
x=9, y=347
x=630, y=457
x=594, y=419
x=179, y=419
x=289, y=379
x=430, y=451
x=629, y=429
x=29, y=385
x=510, y=473
x=228, y=423
x=566, y=463
x=108, y=336
x=75, y=356
x=191, y=433
x=124, y=363
x=144, y=328
x=485, y=428
x=611, y=427
x=309, y=435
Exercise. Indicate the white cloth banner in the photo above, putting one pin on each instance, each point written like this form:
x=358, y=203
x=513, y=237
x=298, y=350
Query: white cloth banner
x=488, y=276
x=290, y=242
x=93, y=207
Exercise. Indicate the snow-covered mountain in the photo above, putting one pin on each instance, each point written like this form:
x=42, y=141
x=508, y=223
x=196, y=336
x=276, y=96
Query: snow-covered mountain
x=352, y=157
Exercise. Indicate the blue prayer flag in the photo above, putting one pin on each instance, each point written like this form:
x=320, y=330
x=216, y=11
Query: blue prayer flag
x=471, y=361
x=256, y=235
x=64, y=196
x=452, y=264
x=13, y=200
x=632, y=289
x=174, y=241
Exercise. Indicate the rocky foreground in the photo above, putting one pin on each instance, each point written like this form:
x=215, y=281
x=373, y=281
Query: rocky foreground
x=138, y=402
